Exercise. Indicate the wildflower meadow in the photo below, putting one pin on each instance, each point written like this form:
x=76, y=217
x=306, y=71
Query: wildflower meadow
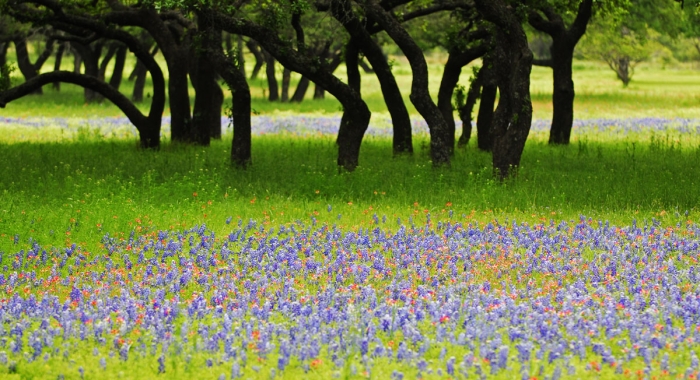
x=174, y=268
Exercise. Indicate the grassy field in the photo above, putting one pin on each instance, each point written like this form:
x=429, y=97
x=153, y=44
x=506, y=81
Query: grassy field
x=656, y=91
x=131, y=264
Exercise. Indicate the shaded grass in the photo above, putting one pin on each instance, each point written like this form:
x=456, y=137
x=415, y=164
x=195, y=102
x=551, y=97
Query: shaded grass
x=76, y=191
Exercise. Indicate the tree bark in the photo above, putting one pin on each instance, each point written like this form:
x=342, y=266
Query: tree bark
x=286, y=78
x=206, y=118
x=111, y=51
x=484, y=119
x=139, y=74
x=28, y=69
x=356, y=114
x=300, y=91
x=352, y=55
x=420, y=93
x=57, y=63
x=273, y=92
x=562, y=50
x=401, y=121
x=259, y=57
x=90, y=56
x=236, y=80
x=457, y=59
x=176, y=48
x=148, y=127
x=120, y=58
x=3, y=53
x=512, y=66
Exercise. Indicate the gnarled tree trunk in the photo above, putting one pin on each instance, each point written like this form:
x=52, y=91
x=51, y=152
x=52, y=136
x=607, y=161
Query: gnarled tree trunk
x=512, y=65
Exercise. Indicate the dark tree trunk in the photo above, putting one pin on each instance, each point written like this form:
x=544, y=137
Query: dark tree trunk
x=148, y=126
x=90, y=56
x=116, y=80
x=105, y=61
x=206, y=118
x=319, y=92
x=465, y=113
x=236, y=80
x=273, y=94
x=457, y=59
x=57, y=63
x=259, y=57
x=563, y=96
x=300, y=91
x=77, y=60
x=28, y=69
x=139, y=83
x=420, y=94
x=356, y=114
x=3, y=53
x=181, y=127
x=512, y=65
x=402, y=134
x=365, y=67
x=484, y=119
x=562, y=51
x=352, y=55
x=139, y=73
x=175, y=44
x=286, y=78
x=239, y=54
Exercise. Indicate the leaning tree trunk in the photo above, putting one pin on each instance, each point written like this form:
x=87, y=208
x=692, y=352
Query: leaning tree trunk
x=467, y=109
x=206, y=118
x=57, y=63
x=450, y=77
x=300, y=91
x=401, y=121
x=259, y=57
x=356, y=114
x=236, y=80
x=484, y=119
x=28, y=69
x=118, y=71
x=111, y=51
x=139, y=76
x=420, y=93
x=512, y=66
x=273, y=94
x=91, y=59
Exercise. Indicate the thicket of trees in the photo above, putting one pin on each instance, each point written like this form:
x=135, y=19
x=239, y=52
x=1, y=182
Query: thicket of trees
x=202, y=43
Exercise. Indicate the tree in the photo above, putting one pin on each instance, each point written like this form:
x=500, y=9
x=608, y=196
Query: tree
x=440, y=149
x=546, y=18
x=81, y=28
x=296, y=57
x=464, y=47
x=628, y=37
x=512, y=62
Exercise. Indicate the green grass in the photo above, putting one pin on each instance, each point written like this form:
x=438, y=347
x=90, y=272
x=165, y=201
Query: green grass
x=61, y=189
x=95, y=186
x=655, y=91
